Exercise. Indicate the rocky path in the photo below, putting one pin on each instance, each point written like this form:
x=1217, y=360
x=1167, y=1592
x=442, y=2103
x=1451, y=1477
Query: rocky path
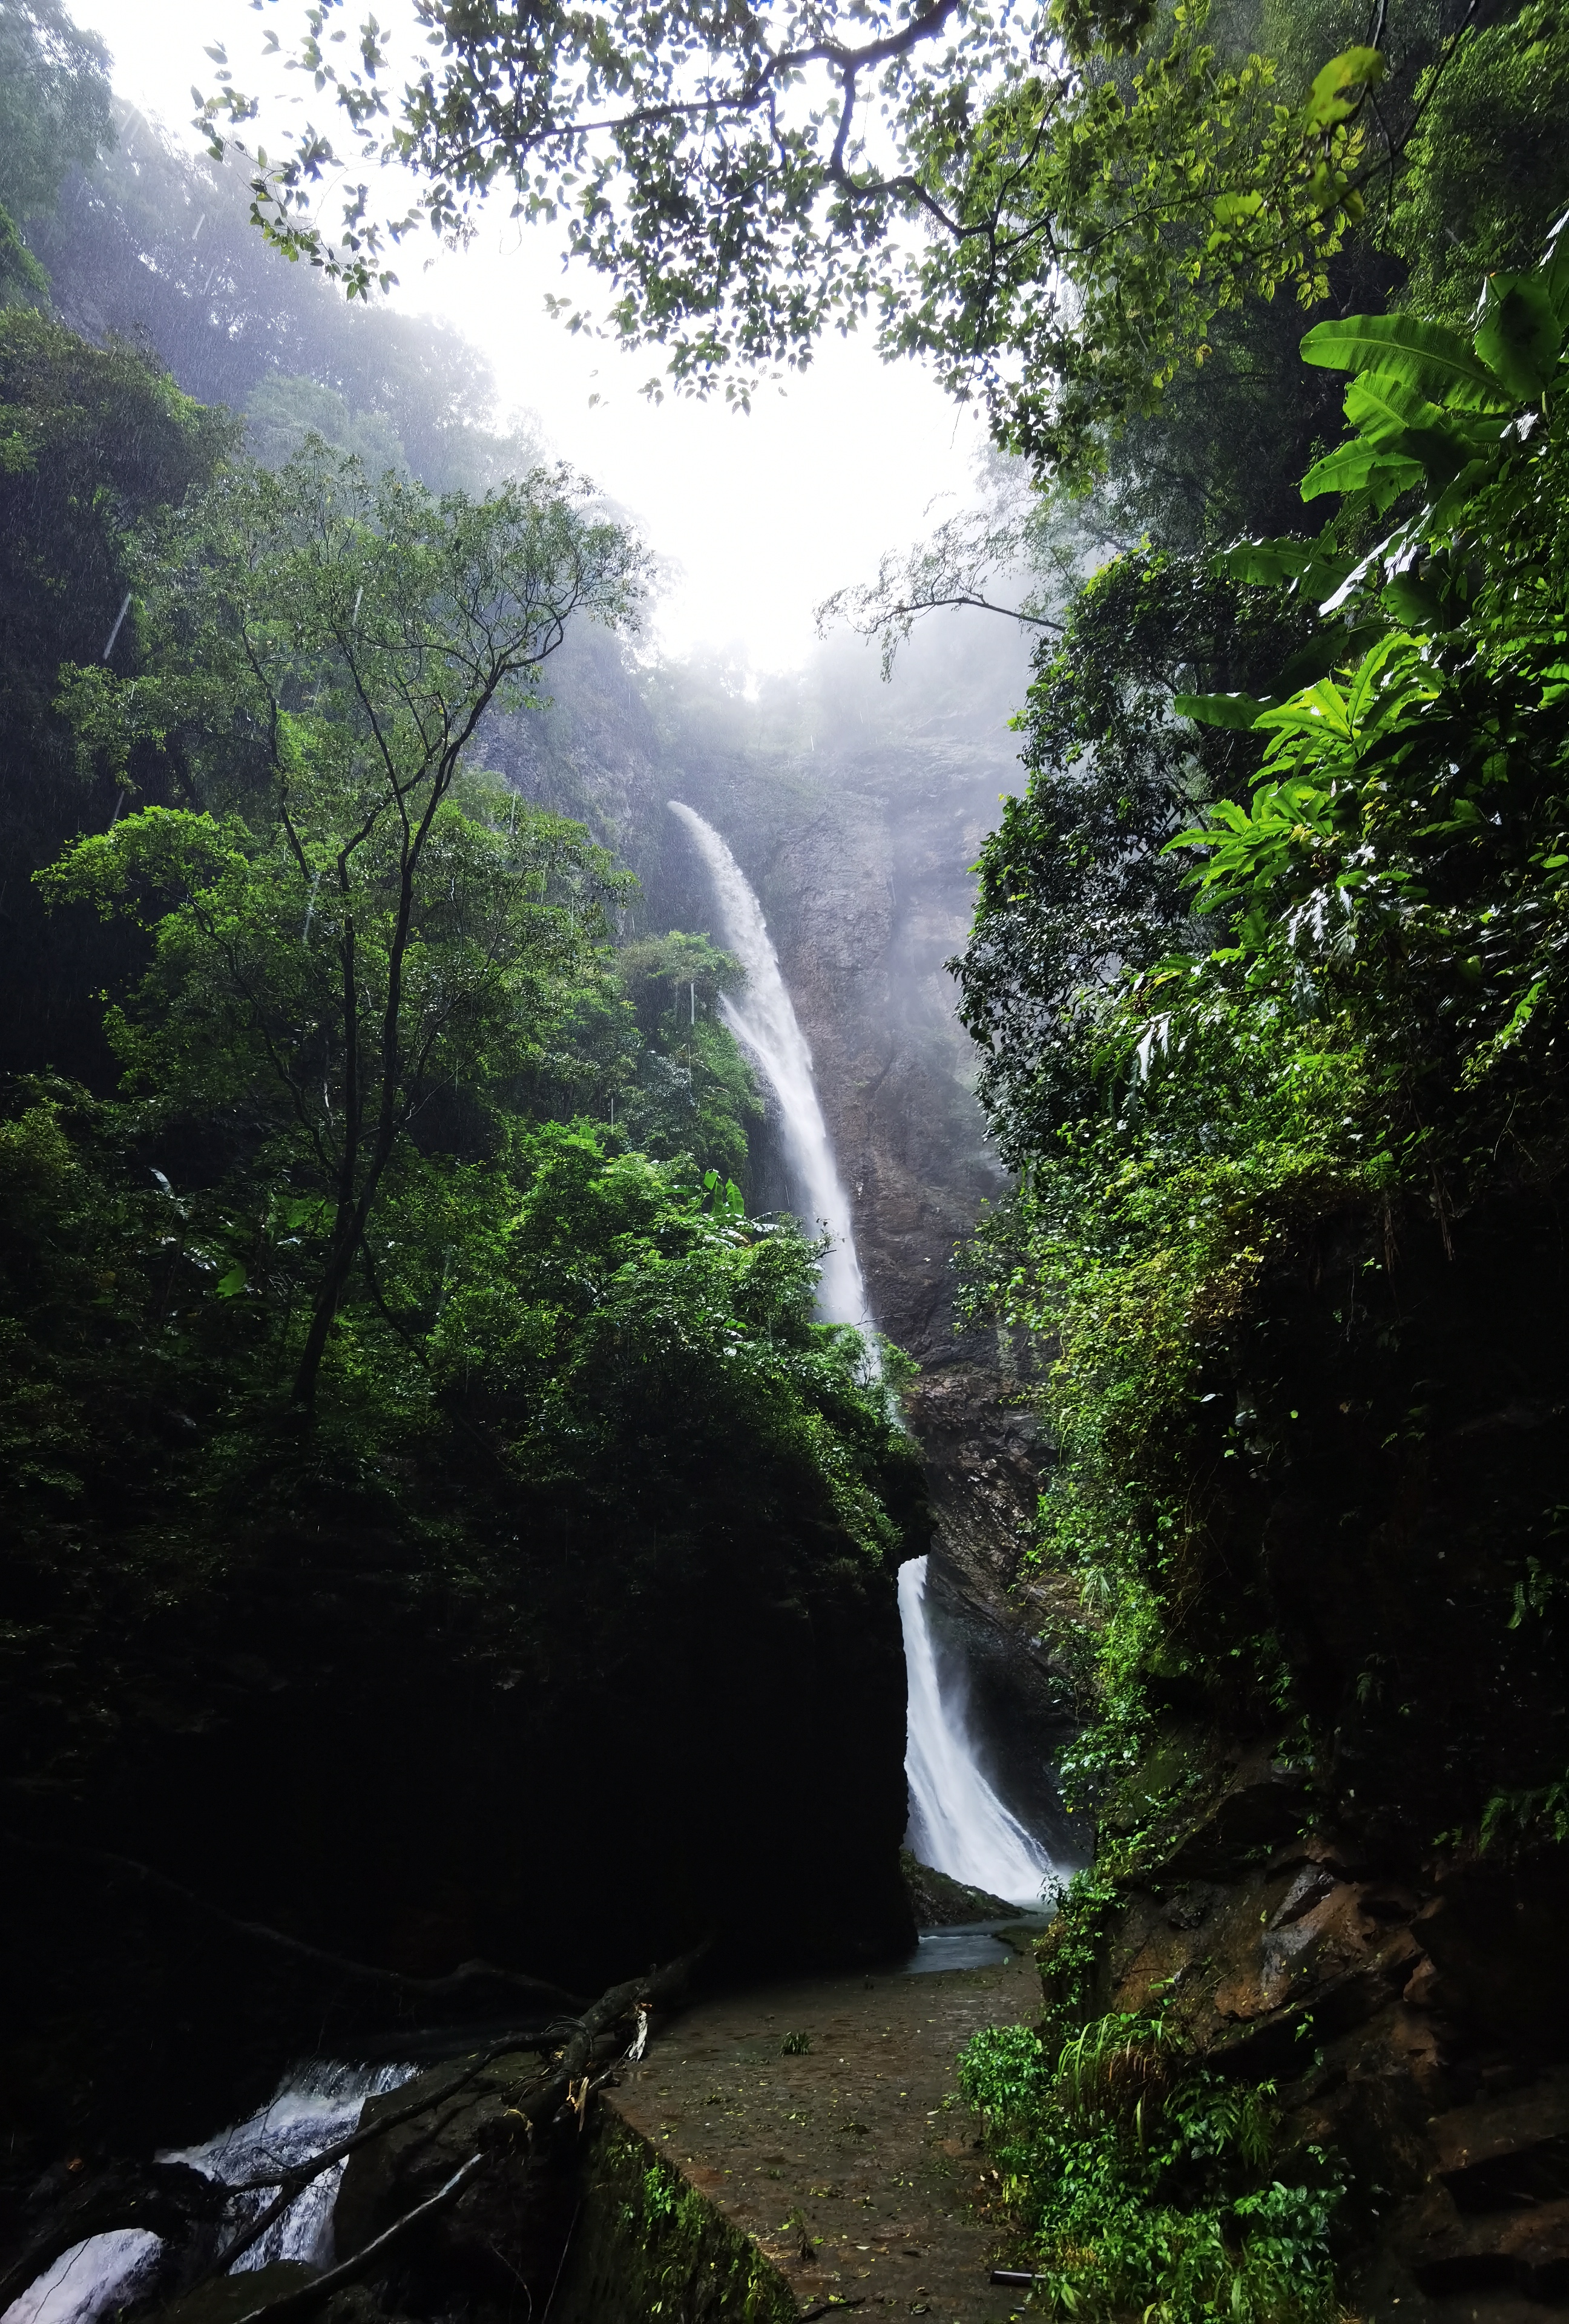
x=845, y=2163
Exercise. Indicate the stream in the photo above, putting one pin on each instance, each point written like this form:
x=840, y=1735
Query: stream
x=312, y=2108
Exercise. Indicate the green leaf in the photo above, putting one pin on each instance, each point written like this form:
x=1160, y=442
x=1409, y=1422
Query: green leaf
x=1230, y=209
x=1519, y=334
x=1381, y=407
x=1416, y=604
x=1310, y=568
x=1556, y=267
x=1331, y=99
x=1239, y=710
x=1267, y=563
x=1359, y=467
x=228, y=1286
x=1427, y=356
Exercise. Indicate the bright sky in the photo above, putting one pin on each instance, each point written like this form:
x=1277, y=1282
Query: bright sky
x=761, y=515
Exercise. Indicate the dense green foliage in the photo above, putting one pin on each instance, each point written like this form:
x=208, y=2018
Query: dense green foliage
x=339, y=945
x=1267, y=973
x=1075, y=887
x=1487, y=163
x=1147, y=2183
x=54, y=116
x=1376, y=1033
x=693, y=1088
x=379, y=1302
x=93, y=440
x=1063, y=203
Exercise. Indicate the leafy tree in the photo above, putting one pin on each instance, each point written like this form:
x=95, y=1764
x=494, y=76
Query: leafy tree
x=93, y=441
x=616, y=1326
x=1404, y=842
x=283, y=413
x=1487, y=171
x=1375, y=1039
x=337, y=939
x=1075, y=887
x=155, y=245
x=54, y=116
x=694, y=1090
x=1065, y=202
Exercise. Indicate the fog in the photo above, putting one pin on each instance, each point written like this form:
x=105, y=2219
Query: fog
x=757, y=517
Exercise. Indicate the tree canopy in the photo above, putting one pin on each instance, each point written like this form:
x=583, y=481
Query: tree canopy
x=1049, y=208
x=337, y=939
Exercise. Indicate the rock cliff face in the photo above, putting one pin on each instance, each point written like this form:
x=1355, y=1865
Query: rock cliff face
x=858, y=835
x=1365, y=1904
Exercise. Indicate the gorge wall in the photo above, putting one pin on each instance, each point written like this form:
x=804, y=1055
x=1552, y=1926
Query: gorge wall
x=856, y=812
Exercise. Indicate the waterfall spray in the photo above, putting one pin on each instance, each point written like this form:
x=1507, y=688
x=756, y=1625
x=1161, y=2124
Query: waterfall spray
x=764, y=1021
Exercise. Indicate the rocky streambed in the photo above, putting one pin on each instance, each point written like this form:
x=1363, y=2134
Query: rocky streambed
x=776, y=2152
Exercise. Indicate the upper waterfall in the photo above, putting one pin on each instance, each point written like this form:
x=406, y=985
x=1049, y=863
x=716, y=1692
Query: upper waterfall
x=763, y=1021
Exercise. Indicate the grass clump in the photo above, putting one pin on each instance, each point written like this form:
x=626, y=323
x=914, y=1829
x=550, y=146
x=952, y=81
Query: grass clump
x=1138, y=2181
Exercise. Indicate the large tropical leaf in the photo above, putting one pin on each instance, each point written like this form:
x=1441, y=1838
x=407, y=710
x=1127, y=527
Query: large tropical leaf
x=1362, y=466
x=1381, y=407
x=1308, y=567
x=1518, y=335
x=1428, y=356
x=1238, y=710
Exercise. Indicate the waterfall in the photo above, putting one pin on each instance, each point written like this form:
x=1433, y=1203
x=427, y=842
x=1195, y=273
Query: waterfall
x=311, y=2110
x=957, y=1823
x=102, y=2272
x=764, y=1021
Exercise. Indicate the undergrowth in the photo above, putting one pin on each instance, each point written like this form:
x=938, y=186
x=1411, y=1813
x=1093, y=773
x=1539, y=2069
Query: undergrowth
x=1140, y=2181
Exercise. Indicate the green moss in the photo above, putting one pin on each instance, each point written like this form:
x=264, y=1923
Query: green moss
x=649, y=2246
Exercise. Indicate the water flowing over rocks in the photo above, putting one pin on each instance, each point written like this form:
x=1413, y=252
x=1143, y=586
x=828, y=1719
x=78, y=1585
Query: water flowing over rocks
x=858, y=847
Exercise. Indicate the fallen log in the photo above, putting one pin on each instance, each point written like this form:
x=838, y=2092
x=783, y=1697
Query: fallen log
x=565, y=2088
x=169, y=2198
x=307, y=2296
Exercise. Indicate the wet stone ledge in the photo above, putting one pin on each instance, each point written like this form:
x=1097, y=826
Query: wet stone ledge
x=731, y=2177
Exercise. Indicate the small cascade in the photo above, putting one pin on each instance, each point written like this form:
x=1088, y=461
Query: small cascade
x=312, y=2109
x=763, y=1021
x=957, y=1823
x=91, y=2278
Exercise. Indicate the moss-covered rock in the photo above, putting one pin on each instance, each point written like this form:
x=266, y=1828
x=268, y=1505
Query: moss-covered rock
x=649, y=2248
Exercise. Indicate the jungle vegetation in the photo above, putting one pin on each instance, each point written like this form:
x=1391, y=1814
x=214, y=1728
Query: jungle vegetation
x=371, y=1170
x=1268, y=969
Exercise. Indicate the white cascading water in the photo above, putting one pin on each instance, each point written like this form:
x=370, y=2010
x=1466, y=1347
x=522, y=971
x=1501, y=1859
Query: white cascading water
x=957, y=1823
x=312, y=2110
x=764, y=1021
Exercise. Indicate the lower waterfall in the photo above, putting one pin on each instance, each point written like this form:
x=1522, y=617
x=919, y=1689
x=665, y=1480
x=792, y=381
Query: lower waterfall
x=313, y=2108
x=957, y=1823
